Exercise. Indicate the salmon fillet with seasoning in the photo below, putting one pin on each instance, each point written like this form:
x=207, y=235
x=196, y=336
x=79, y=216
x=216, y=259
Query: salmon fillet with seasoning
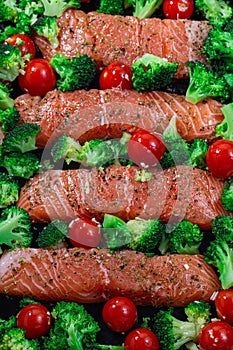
x=107, y=38
x=171, y=195
x=92, y=276
x=92, y=114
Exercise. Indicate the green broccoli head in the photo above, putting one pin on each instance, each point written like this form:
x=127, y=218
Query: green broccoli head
x=145, y=8
x=5, y=100
x=205, y=83
x=9, y=190
x=227, y=195
x=74, y=74
x=74, y=327
x=219, y=253
x=225, y=128
x=32, y=8
x=111, y=7
x=6, y=325
x=22, y=138
x=21, y=164
x=145, y=235
x=9, y=10
x=15, y=228
x=11, y=62
x=222, y=227
x=137, y=234
x=47, y=27
x=218, y=47
x=185, y=238
x=115, y=233
x=217, y=12
x=151, y=72
x=55, y=8
x=9, y=118
x=197, y=153
x=173, y=332
x=65, y=148
x=14, y=339
x=53, y=234
x=177, y=149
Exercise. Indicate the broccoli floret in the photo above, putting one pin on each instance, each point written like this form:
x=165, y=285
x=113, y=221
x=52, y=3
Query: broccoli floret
x=74, y=74
x=111, y=7
x=92, y=153
x=9, y=190
x=5, y=100
x=217, y=12
x=219, y=253
x=225, y=128
x=138, y=234
x=151, y=72
x=47, y=27
x=185, y=238
x=204, y=83
x=218, y=48
x=11, y=62
x=6, y=325
x=15, y=228
x=9, y=10
x=32, y=8
x=197, y=153
x=53, y=234
x=173, y=332
x=145, y=8
x=9, y=118
x=227, y=195
x=177, y=149
x=74, y=328
x=21, y=164
x=65, y=147
x=22, y=138
x=14, y=339
x=55, y=8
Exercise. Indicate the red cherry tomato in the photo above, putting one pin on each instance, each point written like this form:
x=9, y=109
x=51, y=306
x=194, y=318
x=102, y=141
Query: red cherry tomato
x=35, y=319
x=38, y=79
x=224, y=305
x=219, y=158
x=119, y=314
x=145, y=149
x=217, y=335
x=84, y=232
x=116, y=75
x=23, y=42
x=174, y=9
x=141, y=338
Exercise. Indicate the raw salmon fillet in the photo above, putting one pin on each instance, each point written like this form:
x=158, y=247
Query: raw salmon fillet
x=173, y=194
x=99, y=113
x=92, y=276
x=107, y=38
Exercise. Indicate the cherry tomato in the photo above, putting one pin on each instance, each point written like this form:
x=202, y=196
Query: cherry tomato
x=119, y=314
x=174, y=9
x=84, y=232
x=219, y=158
x=116, y=75
x=217, y=335
x=224, y=305
x=145, y=149
x=35, y=319
x=23, y=42
x=38, y=79
x=141, y=338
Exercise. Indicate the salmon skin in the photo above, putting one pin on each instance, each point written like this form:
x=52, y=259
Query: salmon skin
x=86, y=115
x=171, y=195
x=93, y=276
x=107, y=38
